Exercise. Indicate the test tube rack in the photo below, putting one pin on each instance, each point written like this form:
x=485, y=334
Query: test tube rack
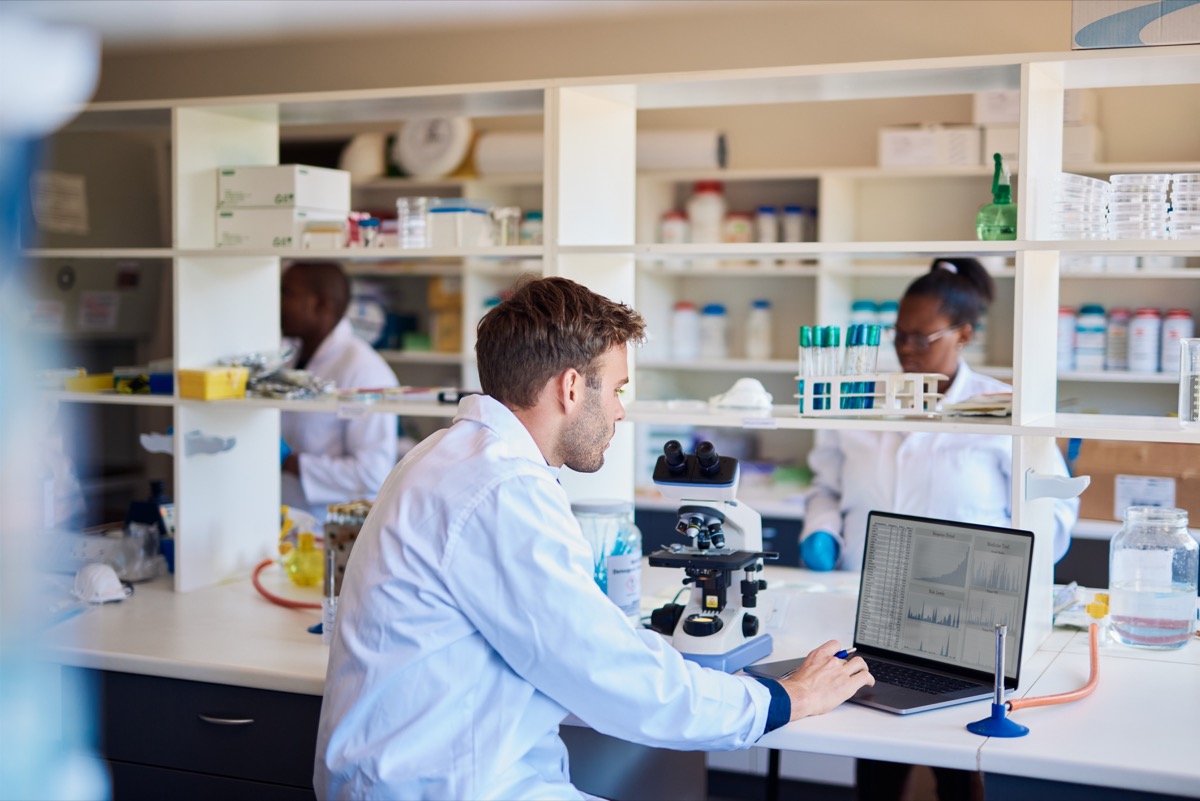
x=869, y=395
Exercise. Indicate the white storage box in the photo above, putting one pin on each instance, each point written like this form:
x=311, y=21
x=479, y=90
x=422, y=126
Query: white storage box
x=929, y=146
x=283, y=186
x=268, y=228
x=459, y=227
x=1003, y=107
x=1133, y=23
x=1082, y=144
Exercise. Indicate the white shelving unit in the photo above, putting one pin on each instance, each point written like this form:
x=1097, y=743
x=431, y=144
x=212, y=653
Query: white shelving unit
x=596, y=210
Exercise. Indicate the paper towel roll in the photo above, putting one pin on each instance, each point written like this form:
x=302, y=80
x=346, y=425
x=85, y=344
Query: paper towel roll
x=681, y=150
x=433, y=146
x=507, y=152
x=365, y=156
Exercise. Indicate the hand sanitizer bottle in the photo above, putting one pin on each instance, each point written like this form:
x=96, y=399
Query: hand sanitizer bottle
x=998, y=219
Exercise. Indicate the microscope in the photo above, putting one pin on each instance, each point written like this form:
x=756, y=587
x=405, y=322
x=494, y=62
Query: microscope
x=715, y=628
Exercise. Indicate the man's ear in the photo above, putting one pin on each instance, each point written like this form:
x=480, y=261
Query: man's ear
x=569, y=388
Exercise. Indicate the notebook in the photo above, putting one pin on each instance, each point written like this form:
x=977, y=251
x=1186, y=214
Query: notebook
x=931, y=594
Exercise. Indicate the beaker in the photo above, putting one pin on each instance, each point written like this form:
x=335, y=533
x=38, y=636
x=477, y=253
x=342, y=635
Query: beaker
x=1189, y=382
x=412, y=222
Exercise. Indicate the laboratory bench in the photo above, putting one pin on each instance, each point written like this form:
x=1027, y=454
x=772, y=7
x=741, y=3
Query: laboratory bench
x=178, y=674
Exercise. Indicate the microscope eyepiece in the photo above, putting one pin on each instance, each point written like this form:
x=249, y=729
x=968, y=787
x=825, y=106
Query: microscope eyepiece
x=706, y=455
x=674, y=456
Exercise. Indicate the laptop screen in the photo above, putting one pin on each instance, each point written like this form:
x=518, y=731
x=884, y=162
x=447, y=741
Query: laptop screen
x=935, y=589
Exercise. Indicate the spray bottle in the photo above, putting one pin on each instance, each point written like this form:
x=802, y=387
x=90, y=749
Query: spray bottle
x=998, y=219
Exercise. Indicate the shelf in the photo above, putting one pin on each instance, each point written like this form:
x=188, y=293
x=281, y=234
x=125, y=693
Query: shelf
x=331, y=405
x=786, y=417
x=109, y=397
x=1125, y=428
x=746, y=366
x=98, y=253
x=683, y=270
x=1118, y=377
x=1185, y=274
x=449, y=182
x=869, y=172
x=371, y=254
x=423, y=357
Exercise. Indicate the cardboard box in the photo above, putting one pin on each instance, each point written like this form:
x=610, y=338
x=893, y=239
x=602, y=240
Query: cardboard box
x=1133, y=23
x=445, y=293
x=268, y=229
x=283, y=186
x=446, y=331
x=1082, y=144
x=1137, y=473
x=1003, y=107
x=215, y=384
x=929, y=146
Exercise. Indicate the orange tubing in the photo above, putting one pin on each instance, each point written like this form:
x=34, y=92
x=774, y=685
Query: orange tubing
x=1073, y=695
x=272, y=597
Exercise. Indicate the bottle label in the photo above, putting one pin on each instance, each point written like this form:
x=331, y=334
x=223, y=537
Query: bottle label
x=625, y=582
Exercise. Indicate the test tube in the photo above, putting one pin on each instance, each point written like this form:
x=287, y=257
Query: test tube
x=850, y=366
x=871, y=363
x=329, y=601
x=806, y=360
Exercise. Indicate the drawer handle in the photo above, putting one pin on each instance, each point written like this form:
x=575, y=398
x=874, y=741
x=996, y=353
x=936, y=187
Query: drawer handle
x=227, y=721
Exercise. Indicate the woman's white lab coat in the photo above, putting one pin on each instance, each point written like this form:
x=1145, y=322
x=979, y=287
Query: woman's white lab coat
x=340, y=459
x=965, y=477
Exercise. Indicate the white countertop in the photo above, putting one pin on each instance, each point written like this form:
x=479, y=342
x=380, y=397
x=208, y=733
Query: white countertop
x=1138, y=729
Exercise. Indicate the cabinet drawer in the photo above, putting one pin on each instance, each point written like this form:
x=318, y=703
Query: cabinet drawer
x=146, y=783
x=208, y=728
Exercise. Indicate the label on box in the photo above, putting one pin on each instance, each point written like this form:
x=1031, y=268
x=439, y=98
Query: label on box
x=1142, y=491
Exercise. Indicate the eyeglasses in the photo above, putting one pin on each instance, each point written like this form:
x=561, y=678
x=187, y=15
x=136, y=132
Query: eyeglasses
x=921, y=342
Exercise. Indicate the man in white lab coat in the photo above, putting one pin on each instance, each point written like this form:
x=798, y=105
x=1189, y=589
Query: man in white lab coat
x=331, y=460
x=469, y=624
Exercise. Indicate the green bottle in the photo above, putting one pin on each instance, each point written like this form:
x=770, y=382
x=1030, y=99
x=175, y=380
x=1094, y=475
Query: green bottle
x=998, y=219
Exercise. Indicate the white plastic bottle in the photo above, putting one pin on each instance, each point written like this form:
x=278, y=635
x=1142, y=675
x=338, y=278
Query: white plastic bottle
x=1090, y=328
x=674, y=228
x=758, y=330
x=685, y=332
x=766, y=224
x=1116, y=342
x=1176, y=325
x=706, y=212
x=1145, y=331
x=1066, y=339
x=793, y=224
x=714, y=333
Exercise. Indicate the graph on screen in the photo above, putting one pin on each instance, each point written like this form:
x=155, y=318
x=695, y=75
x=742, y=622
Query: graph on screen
x=941, y=561
x=994, y=571
x=939, y=613
x=991, y=610
x=932, y=640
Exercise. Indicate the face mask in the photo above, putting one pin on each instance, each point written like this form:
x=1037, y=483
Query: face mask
x=97, y=583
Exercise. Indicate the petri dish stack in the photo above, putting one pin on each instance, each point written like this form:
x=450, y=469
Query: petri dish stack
x=1184, y=219
x=1080, y=207
x=1137, y=207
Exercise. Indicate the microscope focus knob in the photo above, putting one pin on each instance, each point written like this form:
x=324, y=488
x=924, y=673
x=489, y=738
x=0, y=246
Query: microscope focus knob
x=701, y=625
x=749, y=626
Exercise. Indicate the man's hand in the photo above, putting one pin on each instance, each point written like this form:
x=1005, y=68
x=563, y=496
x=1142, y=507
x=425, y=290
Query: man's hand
x=824, y=681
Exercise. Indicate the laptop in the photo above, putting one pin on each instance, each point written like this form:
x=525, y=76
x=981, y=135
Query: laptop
x=931, y=594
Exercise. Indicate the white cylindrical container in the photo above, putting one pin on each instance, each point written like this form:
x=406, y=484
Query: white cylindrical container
x=793, y=224
x=758, y=330
x=685, y=332
x=1066, y=338
x=617, y=551
x=706, y=212
x=1145, y=332
x=1090, y=328
x=714, y=332
x=738, y=228
x=674, y=229
x=1116, y=341
x=1176, y=325
x=531, y=228
x=766, y=224
x=864, y=312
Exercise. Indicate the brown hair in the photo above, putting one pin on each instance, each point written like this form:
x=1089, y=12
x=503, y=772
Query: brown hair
x=548, y=325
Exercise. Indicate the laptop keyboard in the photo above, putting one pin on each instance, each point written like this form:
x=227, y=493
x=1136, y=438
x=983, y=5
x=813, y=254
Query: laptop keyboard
x=913, y=679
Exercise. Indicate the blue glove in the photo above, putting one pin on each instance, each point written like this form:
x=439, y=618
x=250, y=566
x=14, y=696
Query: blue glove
x=819, y=551
x=285, y=451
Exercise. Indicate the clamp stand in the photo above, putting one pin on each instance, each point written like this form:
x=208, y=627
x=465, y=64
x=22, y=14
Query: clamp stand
x=998, y=725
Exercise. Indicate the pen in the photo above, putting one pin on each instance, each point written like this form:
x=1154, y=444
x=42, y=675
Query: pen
x=845, y=654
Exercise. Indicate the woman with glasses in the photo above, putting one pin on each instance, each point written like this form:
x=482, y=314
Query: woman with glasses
x=965, y=477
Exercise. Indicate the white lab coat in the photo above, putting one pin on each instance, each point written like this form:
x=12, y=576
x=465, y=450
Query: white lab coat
x=469, y=626
x=965, y=477
x=340, y=459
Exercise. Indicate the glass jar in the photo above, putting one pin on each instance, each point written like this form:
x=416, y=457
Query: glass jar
x=1153, y=562
x=616, y=543
x=530, y=232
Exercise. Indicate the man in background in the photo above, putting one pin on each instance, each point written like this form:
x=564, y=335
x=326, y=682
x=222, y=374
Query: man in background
x=327, y=459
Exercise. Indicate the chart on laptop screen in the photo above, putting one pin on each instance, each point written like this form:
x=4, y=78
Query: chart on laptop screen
x=936, y=590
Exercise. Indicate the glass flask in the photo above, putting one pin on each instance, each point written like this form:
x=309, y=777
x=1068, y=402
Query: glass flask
x=1152, y=573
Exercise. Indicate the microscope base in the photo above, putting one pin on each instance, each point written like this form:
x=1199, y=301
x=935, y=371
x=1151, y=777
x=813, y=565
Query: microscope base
x=732, y=661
